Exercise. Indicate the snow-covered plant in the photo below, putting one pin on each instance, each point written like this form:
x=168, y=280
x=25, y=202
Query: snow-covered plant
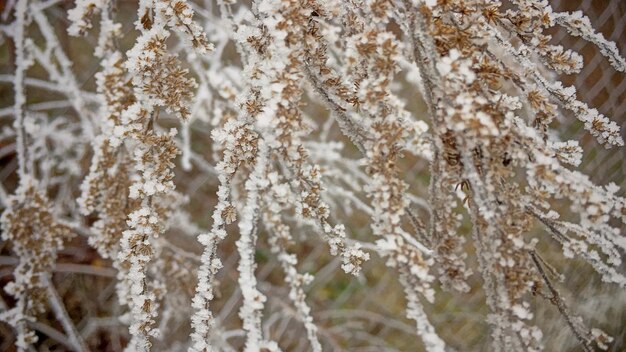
x=229, y=156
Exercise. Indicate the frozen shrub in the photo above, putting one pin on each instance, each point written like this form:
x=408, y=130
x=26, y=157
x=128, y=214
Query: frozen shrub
x=247, y=95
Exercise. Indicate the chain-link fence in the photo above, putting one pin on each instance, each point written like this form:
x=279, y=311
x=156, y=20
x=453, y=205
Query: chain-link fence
x=598, y=84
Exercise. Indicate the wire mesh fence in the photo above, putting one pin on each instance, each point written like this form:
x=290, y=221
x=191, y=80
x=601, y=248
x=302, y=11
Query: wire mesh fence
x=598, y=84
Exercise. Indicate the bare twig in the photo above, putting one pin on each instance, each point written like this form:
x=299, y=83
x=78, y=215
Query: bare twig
x=558, y=302
x=78, y=344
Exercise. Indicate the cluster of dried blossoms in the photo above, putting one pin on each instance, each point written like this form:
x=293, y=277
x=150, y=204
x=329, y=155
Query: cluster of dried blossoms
x=29, y=223
x=487, y=74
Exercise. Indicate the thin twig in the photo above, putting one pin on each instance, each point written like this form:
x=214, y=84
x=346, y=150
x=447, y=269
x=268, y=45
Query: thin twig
x=56, y=303
x=558, y=302
x=348, y=126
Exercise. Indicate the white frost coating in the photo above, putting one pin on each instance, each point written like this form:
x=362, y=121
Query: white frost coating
x=80, y=16
x=253, y=300
x=607, y=132
x=238, y=141
x=22, y=62
x=415, y=311
x=579, y=25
